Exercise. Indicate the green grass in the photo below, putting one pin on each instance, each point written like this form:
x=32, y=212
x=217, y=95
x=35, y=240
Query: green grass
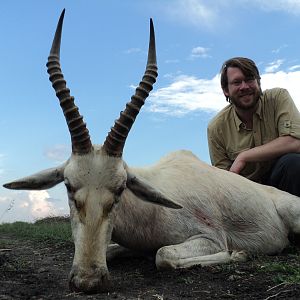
x=3, y=244
x=52, y=228
x=284, y=272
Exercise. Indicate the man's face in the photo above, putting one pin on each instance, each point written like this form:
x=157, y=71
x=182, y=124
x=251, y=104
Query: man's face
x=243, y=91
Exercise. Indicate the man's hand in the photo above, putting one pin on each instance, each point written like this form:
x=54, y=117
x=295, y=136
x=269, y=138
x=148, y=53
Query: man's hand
x=238, y=165
x=266, y=152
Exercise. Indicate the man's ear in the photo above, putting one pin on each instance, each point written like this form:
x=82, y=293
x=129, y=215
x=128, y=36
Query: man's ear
x=39, y=181
x=226, y=92
x=148, y=193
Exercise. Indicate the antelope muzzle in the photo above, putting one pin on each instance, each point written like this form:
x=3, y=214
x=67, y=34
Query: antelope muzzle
x=92, y=280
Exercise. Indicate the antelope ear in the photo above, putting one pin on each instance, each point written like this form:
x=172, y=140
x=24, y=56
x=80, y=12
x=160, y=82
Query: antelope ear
x=39, y=181
x=148, y=193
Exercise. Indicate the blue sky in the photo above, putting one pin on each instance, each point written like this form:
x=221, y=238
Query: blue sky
x=103, y=56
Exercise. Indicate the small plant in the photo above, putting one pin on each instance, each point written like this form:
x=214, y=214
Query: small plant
x=285, y=273
x=10, y=206
x=3, y=245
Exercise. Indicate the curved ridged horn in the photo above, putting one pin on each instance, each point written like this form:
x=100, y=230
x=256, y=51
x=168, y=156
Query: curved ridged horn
x=116, y=138
x=81, y=142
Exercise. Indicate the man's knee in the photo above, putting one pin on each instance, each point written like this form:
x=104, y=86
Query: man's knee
x=285, y=173
x=288, y=164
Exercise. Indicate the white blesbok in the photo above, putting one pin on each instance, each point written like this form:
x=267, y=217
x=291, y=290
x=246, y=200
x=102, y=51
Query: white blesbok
x=205, y=215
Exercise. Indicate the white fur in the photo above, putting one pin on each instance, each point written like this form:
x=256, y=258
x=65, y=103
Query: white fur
x=223, y=217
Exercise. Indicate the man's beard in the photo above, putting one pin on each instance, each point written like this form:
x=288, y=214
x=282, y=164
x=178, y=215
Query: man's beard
x=235, y=100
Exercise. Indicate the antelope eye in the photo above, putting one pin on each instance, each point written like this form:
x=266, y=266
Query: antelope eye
x=120, y=190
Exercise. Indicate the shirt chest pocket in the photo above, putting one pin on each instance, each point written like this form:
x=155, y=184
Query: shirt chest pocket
x=232, y=154
x=237, y=143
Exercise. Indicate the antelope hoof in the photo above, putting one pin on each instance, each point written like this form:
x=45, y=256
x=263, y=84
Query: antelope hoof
x=241, y=256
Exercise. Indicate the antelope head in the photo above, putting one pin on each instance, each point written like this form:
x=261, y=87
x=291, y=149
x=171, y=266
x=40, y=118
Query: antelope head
x=95, y=176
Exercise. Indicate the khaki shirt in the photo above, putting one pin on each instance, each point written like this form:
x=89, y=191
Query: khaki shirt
x=276, y=115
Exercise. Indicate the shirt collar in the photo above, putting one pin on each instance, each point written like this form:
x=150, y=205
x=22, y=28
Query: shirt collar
x=237, y=120
x=259, y=107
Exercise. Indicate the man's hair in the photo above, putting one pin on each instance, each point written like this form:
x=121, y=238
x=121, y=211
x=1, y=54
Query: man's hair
x=246, y=65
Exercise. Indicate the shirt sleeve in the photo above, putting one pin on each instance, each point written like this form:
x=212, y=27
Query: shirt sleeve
x=217, y=151
x=287, y=115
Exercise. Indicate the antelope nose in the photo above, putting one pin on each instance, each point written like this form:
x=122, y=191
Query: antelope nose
x=90, y=281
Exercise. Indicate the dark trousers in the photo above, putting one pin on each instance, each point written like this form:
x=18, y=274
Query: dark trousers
x=285, y=174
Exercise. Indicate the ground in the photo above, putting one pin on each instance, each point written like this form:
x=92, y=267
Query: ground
x=39, y=270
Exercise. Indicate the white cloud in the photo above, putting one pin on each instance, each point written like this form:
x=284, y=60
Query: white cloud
x=187, y=94
x=172, y=61
x=207, y=14
x=133, y=50
x=39, y=204
x=29, y=206
x=274, y=66
x=194, y=12
x=1, y=159
x=3, y=199
x=287, y=80
x=288, y=6
x=172, y=76
x=279, y=49
x=293, y=68
x=58, y=153
x=199, y=52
